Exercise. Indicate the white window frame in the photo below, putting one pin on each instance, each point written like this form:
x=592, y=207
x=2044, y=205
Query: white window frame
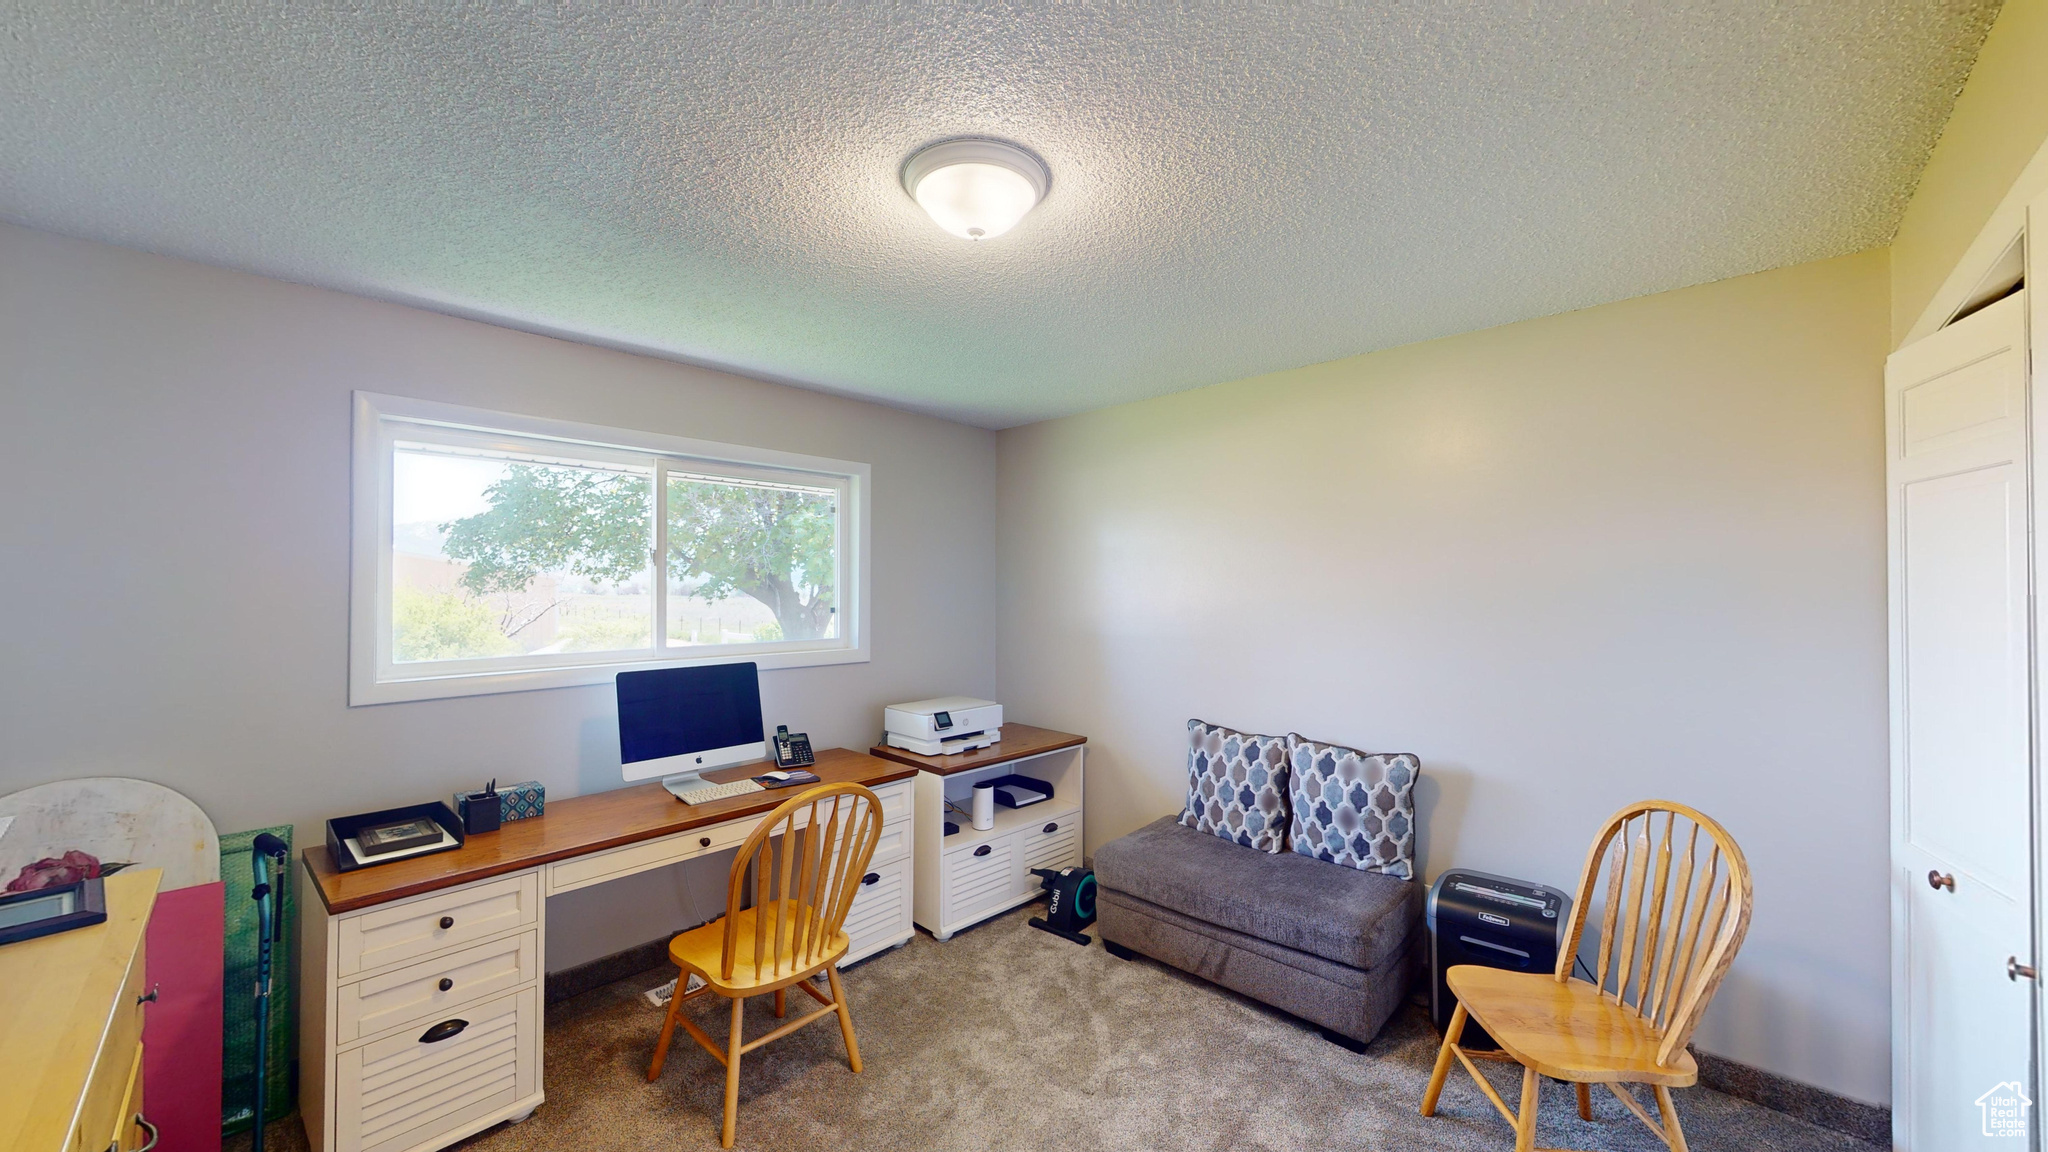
x=381, y=421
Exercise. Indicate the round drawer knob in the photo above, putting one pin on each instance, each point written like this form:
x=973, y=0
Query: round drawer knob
x=704, y=842
x=446, y=984
x=447, y=922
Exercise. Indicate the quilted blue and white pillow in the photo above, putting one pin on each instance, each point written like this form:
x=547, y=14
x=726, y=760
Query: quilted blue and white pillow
x=1354, y=808
x=1237, y=786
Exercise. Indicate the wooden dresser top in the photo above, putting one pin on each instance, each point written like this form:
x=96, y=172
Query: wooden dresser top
x=573, y=827
x=57, y=995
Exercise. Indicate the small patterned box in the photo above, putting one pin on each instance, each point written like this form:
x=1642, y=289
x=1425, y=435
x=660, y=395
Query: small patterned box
x=522, y=800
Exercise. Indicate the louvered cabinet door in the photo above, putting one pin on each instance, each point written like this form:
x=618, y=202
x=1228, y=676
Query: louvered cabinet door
x=407, y=1089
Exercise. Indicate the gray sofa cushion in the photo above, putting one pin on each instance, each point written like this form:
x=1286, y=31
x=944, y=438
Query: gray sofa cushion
x=1359, y=919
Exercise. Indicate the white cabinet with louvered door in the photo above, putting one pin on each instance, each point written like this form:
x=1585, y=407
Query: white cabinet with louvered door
x=880, y=916
x=967, y=875
x=408, y=1089
x=426, y=1023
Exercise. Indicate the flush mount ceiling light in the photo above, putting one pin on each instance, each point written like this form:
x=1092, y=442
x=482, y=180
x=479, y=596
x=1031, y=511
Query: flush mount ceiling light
x=974, y=188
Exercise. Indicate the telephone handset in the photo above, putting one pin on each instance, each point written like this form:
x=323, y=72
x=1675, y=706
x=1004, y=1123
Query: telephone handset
x=792, y=749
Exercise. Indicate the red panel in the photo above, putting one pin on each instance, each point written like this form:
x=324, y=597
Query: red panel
x=181, y=1032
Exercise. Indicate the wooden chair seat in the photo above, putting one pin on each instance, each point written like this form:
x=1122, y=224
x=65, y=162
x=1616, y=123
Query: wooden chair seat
x=702, y=950
x=1567, y=1031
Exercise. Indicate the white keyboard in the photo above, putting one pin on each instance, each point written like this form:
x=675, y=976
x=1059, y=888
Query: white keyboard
x=720, y=792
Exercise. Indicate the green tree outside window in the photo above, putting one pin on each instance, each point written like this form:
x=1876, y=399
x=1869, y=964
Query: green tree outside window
x=772, y=544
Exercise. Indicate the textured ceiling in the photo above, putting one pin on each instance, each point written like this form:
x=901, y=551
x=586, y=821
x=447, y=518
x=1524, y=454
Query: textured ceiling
x=1235, y=190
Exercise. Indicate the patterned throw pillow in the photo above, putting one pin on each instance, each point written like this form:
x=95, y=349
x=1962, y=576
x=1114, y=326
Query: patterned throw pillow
x=1237, y=786
x=1354, y=808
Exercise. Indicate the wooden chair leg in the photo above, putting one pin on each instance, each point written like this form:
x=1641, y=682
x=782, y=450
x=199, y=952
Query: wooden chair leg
x=1443, y=1061
x=668, y=1027
x=780, y=1007
x=1585, y=1101
x=845, y=1019
x=1674, y=1136
x=732, y=1072
x=1525, y=1120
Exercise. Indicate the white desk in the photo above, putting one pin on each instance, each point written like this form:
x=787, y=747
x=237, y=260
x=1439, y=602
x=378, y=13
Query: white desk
x=391, y=951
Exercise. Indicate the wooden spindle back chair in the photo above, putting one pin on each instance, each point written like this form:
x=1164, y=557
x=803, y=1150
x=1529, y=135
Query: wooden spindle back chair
x=1674, y=912
x=792, y=884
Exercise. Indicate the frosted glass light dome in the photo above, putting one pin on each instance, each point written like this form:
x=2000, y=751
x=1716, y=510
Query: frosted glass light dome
x=976, y=189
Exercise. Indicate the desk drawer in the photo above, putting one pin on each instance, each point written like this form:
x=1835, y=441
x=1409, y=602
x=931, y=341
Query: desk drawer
x=583, y=871
x=881, y=911
x=896, y=803
x=100, y=1121
x=414, y=995
x=894, y=844
x=401, y=1092
x=398, y=933
x=128, y=1135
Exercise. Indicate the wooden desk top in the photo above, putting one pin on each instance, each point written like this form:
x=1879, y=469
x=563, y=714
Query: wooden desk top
x=1019, y=741
x=574, y=827
x=57, y=995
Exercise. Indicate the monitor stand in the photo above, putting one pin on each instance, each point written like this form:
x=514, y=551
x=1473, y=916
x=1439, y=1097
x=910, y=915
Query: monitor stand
x=683, y=784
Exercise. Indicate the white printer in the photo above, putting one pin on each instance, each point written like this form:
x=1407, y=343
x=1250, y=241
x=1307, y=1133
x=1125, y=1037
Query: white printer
x=943, y=725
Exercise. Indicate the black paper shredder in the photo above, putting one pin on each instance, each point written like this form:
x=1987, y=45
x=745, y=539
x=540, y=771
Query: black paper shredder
x=1493, y=921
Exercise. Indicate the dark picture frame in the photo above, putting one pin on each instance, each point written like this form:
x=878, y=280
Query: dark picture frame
x=78, y=905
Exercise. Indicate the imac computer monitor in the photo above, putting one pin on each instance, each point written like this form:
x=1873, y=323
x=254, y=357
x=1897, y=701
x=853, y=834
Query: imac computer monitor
x=678, y=722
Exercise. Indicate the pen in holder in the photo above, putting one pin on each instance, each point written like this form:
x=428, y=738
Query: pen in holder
x=480, y=811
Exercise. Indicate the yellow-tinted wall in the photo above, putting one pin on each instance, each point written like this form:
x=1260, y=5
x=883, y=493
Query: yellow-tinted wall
x=1999, y=124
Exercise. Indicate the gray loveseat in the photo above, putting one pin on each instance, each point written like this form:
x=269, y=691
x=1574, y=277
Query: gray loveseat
x=1331, y=944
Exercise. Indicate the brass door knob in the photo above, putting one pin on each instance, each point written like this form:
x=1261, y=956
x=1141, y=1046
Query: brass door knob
x=2014, y=969
x=1939, y=880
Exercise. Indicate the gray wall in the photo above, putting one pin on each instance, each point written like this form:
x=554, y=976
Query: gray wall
x=174, y=458
x=1634, y=551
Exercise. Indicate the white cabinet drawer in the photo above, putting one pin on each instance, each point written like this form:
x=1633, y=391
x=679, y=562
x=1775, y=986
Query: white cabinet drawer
x=881, y=912
x=896, y=803
x=978, y=879
x=894, y=844
x=1052, y=843
x=401, y=1091
x=430, y=991
x=397, y=933
x=565, y=875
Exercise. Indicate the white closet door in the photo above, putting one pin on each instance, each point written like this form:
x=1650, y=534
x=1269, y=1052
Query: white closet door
x=1956, y=409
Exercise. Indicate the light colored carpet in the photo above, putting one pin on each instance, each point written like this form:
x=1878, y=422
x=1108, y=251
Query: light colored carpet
x=1005, y=1037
